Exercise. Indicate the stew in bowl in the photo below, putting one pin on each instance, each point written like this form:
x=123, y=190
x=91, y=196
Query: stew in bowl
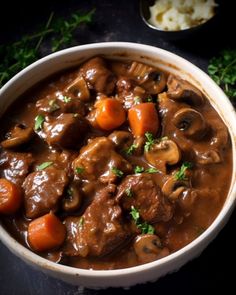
x=112, y=164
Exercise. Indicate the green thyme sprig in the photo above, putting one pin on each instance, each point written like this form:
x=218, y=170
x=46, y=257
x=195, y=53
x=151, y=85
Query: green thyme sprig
x=222, y=69
x=58, y=32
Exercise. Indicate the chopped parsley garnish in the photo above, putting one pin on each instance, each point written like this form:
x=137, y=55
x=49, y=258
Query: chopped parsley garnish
x=180, y=175
x=135, y=214
x=146, y=228
x=131, y=149
x=137, y=99
x=138, y=169
x=79, y=170
x=151, y=170
x=129, y=192
x=44, y=165
x=149, y=98
x=53, y=105
x=39, y=122
x=81, y=222
x=143, y=226
x=117, y=172
x=66, y=99
x=150, y=141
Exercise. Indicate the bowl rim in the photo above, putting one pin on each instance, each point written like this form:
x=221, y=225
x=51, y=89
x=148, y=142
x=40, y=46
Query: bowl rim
x=219, y=221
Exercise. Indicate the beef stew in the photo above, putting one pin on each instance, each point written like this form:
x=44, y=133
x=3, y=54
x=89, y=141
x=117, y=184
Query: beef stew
x=129, y=164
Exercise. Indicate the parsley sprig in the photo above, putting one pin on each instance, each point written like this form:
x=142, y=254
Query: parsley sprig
x=57, y=32
x=143, y=226
x=117, y=172
x=222, y=69
x=150, y=141
x=181, y=173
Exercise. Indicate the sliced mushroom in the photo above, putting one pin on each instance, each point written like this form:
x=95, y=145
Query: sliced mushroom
x=79, y=88
x=209, y=157
x=181, y=90
x=17, y=136
x=191, y=123
x=173, y=187
x=166, y=152
x=151, y=80
x=156, y=82
x=148, y=248
x=140, y=71
x=73, y=199
x=122, y=139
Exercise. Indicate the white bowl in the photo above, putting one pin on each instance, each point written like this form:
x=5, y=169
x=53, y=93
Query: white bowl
x=162, y=59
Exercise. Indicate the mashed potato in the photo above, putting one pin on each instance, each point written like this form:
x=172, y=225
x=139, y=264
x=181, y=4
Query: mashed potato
x=174, y=15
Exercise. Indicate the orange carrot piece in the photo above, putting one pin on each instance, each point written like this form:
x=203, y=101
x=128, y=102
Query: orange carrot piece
x=110, y=113
x=143, y=118
x=10, y=197
x=46, y=232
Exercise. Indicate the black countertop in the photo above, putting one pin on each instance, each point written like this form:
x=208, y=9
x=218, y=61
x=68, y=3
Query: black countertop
x=120, y=21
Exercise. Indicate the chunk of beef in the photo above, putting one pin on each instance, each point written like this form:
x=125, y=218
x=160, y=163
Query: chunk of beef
x=146, y=197
x=129, y=92
x=60, y=103
x=100, y=230
x=79, y=88
x=66, y=131
x=98, y=160
x=43, y=191
x=15, y=166
x=122, y=139
x=182, y=90
x=98, y=76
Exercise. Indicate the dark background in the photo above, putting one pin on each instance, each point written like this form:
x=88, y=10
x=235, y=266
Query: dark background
x=214, y=270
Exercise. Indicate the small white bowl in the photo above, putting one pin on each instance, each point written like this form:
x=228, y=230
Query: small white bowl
x=156, y=57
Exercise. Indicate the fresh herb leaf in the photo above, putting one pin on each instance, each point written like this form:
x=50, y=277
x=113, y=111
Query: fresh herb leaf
x=181, y=174
x=53, y=105
x=81, y=222
x=44, y=165
x=146, y=228
x=129, y=192
x=117, y=172
x=222, y=70
x=131, y=149
x=151, y=170
x=135, y=214
x=138, y=169
x=137, y=99
x=150, y=141
x=79, y=170
x=39, y=122
x=143, y=226
x=59, y=32
x=149, y=98
x=66, y=99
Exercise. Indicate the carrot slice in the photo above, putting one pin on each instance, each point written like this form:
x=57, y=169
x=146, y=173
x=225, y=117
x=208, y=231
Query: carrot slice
x=143, y=118
x=46, y=232
x=110, y=114
x=10, y=197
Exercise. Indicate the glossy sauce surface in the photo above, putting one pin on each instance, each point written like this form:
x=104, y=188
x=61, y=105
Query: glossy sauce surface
x=203, y=190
